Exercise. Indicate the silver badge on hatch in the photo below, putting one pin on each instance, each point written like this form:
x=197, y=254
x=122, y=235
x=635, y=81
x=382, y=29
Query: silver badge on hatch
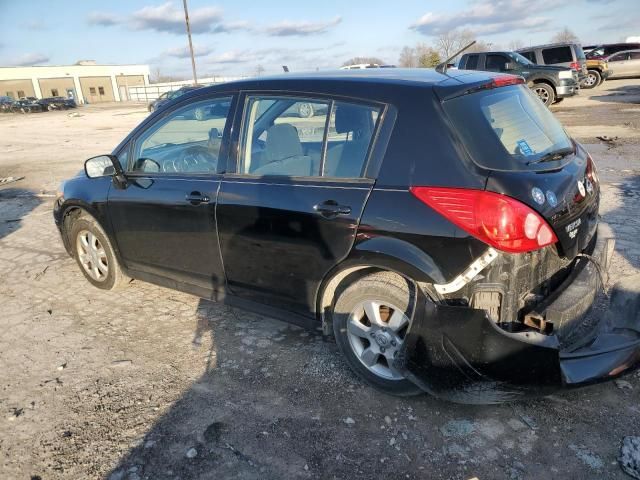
x=537, y=195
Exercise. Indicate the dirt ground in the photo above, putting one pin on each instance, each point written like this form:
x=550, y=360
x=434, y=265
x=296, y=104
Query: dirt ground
x=152, y=383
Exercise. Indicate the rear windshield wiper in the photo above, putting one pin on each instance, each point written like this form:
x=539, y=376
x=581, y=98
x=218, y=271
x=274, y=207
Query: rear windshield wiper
x=551, y=156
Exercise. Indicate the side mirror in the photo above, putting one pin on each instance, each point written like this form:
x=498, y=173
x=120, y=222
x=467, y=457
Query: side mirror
x=103, y=166
x=509, y=66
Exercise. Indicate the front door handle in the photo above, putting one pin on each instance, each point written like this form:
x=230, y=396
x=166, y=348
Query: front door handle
x=196, y=198
x=330, y=209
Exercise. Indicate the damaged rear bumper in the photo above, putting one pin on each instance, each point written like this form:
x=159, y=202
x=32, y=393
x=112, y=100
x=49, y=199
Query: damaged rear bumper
x=460, y=354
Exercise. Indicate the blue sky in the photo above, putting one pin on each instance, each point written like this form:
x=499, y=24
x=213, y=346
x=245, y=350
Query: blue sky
x=234, y=37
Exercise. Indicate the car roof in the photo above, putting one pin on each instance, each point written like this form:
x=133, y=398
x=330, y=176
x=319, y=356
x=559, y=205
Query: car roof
x=550, y=45
x=624, y=51
x=382, y=76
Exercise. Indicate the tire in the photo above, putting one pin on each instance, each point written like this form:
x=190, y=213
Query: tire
x=305, y=110
x=558, y=100
x=199, y=114
x=593, y=80
x=51, y=108
x=544, y=92
x=349, y=315
x=109, y=276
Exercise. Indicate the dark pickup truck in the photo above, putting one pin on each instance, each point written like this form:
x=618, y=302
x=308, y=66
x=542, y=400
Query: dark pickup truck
x=550, y=83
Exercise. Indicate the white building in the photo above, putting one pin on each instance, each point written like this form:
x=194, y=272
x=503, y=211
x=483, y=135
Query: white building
x=86, y=82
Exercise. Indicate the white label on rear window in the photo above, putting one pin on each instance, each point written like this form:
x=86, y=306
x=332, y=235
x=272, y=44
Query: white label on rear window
x=524, y=147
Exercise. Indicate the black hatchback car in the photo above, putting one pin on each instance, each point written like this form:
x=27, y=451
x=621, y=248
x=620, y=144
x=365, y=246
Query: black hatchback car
x=443, y=227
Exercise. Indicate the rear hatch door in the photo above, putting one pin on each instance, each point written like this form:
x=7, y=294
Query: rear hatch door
x=530, y=157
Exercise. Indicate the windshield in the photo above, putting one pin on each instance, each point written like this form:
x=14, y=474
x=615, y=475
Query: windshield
x=596, y=52
x=506, y=128
x=520, y=59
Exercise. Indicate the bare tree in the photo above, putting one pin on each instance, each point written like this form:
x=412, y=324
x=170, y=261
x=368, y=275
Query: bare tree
x=515, y=45
x=408, y=57
x=565, y=36
x=450, y=42
x=360, y=60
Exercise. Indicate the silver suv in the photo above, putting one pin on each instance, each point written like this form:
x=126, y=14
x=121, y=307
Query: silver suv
x=563, y=54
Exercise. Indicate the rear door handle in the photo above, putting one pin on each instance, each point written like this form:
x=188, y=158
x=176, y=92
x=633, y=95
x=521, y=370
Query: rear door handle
x=330, y=208
x=196, y=198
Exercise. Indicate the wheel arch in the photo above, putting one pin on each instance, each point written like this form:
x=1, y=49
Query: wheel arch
x=375, y=255
x=543, y=80
x=73, y=210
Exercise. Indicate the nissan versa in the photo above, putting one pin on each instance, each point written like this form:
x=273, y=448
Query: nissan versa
x=443, y=226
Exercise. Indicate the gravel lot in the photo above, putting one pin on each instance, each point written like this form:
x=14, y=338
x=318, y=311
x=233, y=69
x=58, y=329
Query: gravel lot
x=152, y=383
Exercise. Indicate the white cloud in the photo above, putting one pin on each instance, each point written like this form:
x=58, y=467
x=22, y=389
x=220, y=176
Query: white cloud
x=183, y=52
x=486, y=17
x=29, y=59
x=287, y=28
x=103, y=19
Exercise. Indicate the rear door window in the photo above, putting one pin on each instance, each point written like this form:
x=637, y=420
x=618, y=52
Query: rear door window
x=557, y=55
x=496, y=63
x=507, y=128
x=306, y=137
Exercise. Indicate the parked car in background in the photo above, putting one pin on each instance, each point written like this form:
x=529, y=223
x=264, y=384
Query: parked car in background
x=597, y=72
x=57, y=103
x=168, y=96
x=361, y=66
x=443, y=227
x=588, y=48
x=26, y=105
x=562, y=54
x=600, y=52
x=625, y=64
x=550, y=83
x=5, y=103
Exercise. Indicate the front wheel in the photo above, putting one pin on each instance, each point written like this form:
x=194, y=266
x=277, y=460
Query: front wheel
x=593, y=79
x=370, y=321
x=544, y=92
x=94, y=254
x=199, y=114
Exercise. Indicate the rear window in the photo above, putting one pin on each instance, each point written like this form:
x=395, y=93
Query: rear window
x=506, y=128
x=472, y=62
x=557, y=55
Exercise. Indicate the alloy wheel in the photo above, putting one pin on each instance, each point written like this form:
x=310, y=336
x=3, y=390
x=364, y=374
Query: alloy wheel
x=376, y=331
x=543, y=95
x=305, y=110
x=92, y=255
x=591, y=80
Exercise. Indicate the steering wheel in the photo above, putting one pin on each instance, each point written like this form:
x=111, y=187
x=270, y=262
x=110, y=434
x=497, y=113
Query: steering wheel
x=196, y=159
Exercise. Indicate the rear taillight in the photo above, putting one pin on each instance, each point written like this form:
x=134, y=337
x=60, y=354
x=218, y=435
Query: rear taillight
x=575, y=66
x=500, y=221
x=591, y=170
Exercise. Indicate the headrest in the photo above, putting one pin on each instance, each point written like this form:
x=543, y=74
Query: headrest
x=352, y=118
x=283, y=141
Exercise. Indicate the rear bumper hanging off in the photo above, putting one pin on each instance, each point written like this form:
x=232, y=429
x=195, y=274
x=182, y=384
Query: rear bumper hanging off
x=460, y=354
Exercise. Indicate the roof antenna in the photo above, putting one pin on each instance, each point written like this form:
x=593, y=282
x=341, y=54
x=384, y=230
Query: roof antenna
x=442, y=67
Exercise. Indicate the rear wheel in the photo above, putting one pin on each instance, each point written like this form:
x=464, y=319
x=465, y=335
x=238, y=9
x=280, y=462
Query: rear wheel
x=305, y=110
x=370, y=321
x=94, y=254
x=593, y=79
x=544, y=92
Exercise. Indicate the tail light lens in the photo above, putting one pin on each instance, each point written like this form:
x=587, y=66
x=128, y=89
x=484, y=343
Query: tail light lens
x=498, y=220
x=591, y=170
x=575, y=66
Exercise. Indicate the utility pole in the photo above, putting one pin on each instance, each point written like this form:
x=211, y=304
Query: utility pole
x=193, y=60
